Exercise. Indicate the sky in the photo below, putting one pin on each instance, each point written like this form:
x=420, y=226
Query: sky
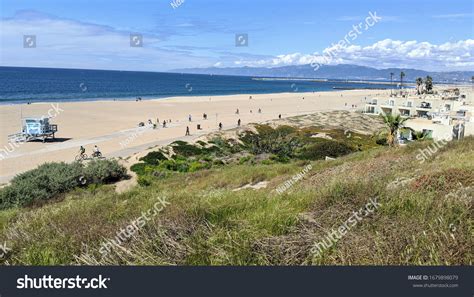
x=430, y=35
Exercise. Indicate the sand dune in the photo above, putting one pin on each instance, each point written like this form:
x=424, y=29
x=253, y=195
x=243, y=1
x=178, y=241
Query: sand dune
x=112, y=125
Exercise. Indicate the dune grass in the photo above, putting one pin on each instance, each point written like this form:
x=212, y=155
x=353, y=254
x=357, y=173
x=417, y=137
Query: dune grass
x=425, y=216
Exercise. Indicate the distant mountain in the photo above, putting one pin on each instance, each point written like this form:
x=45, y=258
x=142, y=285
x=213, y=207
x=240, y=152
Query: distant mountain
x=342, y=71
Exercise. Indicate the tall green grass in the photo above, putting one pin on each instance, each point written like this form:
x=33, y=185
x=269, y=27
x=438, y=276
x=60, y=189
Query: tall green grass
x=425, y=217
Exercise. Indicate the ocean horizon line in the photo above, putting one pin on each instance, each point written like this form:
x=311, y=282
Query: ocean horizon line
x=20, y=85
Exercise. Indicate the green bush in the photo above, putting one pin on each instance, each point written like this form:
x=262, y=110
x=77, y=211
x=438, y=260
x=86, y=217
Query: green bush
x=168, y=165
x=49, y=180
x=282, y=141
x=196, y=165
x=42, y=183
x=144, y=180
x=326, y=148
x=185, y=149
x=139, y=168
x=153, y=158
x=104, y=171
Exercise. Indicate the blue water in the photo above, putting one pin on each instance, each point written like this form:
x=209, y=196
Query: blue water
x=20, y=85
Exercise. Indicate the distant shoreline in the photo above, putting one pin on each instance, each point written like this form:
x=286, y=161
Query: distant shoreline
x=158, y=98
x=42, y=85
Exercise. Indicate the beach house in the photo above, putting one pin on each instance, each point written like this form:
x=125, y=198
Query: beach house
x=435, y=114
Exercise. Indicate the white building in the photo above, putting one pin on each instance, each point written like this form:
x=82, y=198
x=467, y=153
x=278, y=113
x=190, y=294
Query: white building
x=434, y=114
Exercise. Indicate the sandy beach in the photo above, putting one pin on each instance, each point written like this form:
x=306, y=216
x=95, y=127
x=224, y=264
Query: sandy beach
x=113, y=125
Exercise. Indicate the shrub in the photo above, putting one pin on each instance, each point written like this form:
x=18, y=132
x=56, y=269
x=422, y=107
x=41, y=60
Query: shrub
x=104, y=171
x=168, y=165
x=326, y=148
x=153, y=158
x=182, y=166
x=282, y=141
x=139, y=168
x=195, y=166
x=144, y=180
x=185, y=149
x=42, y=183
x=49, y=180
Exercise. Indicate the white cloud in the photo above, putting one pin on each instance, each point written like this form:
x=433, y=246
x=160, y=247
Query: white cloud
x=73, y=44
x=386, y=53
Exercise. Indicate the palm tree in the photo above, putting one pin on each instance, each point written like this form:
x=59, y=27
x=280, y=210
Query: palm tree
x=429, y=84
x=419, y=82
x=391, y=82
x=402, y=75
x=394, y=123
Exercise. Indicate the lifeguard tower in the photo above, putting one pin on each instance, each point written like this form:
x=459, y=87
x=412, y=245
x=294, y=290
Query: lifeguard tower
x=34, y=128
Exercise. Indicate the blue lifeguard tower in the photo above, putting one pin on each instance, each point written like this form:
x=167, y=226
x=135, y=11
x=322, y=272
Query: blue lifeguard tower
x=34, y=128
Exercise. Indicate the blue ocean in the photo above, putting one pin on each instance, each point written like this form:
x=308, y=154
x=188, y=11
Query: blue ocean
x=21, y=85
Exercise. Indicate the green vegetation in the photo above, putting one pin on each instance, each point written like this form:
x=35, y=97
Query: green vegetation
x=265, y=145
x=50, y=180
x=425, y=217
x=419, y=83
x=394, y=123
x=429, y=84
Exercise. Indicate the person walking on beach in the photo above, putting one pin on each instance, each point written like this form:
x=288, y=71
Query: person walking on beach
x=238, y=123
x=164, y=124
x=187, y=131
x=237, y=111
x=259, y=110
x=189, y=118
x=279, y=116
x=220, y=126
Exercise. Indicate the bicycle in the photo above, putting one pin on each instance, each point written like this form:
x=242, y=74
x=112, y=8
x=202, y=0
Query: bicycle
x=81, y=157
x=96, y=155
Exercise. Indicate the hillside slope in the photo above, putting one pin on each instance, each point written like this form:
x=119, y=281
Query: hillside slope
x=424, y=216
